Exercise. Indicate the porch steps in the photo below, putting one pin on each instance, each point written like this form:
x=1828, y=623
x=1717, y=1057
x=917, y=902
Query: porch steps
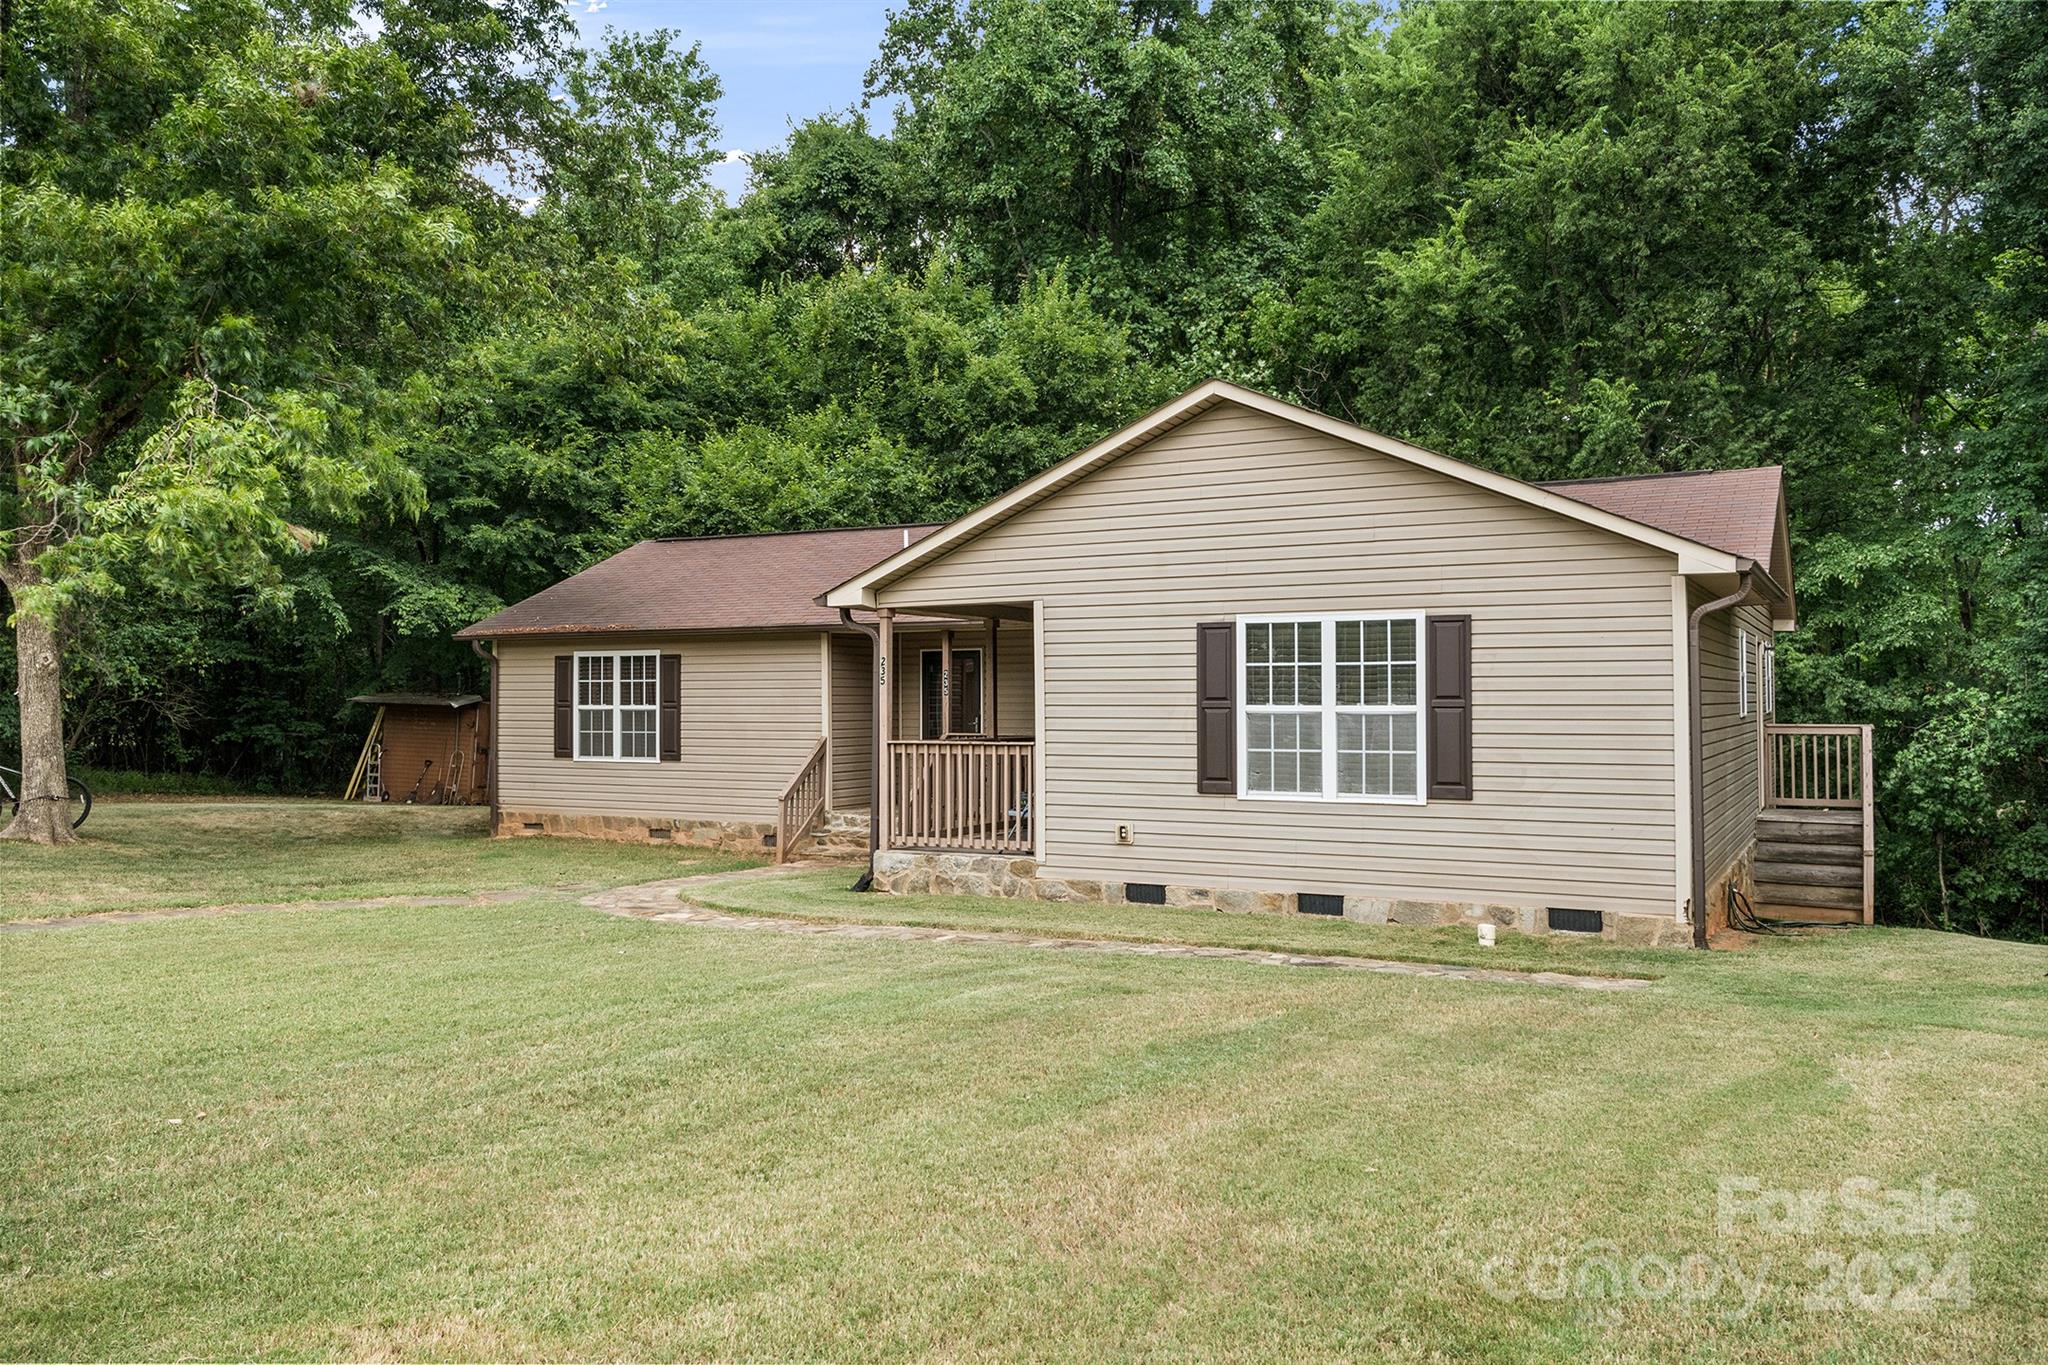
x=1809, y=864
x=842, y=836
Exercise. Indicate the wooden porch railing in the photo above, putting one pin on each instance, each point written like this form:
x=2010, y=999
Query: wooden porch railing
x=1824, y=767
x=802, y=802
x=972, y=795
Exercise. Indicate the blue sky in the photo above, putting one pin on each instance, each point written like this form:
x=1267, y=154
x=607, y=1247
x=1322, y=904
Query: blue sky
x=781, y=61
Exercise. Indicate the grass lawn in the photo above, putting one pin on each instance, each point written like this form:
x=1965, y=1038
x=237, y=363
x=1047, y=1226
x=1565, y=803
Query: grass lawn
x=534, y=1130
x=148, y=855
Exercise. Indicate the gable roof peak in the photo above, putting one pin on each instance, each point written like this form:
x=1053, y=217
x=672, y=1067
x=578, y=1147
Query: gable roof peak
x=858, y=590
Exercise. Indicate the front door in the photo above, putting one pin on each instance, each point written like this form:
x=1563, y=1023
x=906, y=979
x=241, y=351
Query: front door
x=966, y=693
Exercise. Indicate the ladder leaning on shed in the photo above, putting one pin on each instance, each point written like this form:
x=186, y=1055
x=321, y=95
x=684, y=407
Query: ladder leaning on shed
x=366, y=763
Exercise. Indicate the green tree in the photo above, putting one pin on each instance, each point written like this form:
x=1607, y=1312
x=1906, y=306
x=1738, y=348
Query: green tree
x=834, y=197
x=1155, y=149
x=1577, y=239
x=225, y=223
x=625, y=168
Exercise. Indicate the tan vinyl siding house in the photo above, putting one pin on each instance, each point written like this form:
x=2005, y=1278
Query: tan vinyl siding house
x=1246, y=656
x=1732, y=742
x=751, y=709
x=853, y=721
x=1238, y=513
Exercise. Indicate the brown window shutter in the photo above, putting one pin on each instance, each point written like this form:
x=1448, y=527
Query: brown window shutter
x=565, y=706
x=1450, y=708
x=671, y=708
x=1216, y=708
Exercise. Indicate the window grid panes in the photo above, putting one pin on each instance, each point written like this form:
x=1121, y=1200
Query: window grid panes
x=1284, y=752
x=617, y=706
x=1341, y=721
x=1283, y=663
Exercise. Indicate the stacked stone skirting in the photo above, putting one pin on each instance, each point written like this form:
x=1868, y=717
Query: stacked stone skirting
x=1741, y=874
x=729, y=835
x=1018, y=878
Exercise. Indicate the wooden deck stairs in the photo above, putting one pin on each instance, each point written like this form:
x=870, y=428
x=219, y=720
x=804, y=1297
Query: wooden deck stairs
x=1809, y=865
x=1814, y=846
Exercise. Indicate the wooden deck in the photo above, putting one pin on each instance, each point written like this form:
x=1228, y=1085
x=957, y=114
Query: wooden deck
x=1814, y=846
x=1809, y=865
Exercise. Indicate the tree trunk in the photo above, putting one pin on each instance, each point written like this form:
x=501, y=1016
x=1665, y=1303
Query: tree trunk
x=45, y=815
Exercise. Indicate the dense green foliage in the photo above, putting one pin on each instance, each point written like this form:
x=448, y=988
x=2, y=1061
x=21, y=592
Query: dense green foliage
x=463, y=338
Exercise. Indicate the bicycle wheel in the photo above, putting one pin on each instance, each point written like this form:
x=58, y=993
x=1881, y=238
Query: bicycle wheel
x=81, y=802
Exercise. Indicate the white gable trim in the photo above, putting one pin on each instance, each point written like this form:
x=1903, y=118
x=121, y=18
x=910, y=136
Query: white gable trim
x=859, y=591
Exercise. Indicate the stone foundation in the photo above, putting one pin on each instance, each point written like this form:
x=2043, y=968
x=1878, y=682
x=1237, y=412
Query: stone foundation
x=1742, y=873
x=1017, y=878
x=728, y=835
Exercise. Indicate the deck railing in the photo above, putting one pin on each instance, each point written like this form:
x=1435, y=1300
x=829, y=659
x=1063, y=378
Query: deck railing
x=1826, y=766
x=802, y=802
x=972, y=795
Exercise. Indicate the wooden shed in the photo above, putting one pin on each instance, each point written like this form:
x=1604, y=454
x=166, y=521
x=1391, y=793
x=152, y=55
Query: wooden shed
x=425, y=748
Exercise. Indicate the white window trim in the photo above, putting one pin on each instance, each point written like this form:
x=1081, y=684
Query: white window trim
x=1770, y=676
x=1329, y=709
x=1742, y=673
x=577, y=708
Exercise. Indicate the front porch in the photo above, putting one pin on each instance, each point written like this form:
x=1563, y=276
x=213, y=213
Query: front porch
x=957, y=733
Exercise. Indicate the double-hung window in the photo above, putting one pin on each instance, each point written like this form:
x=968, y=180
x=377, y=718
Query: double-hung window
x=1332, y=707
x=617, y=704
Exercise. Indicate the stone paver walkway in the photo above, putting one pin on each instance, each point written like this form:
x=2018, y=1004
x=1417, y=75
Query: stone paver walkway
x=505, y=897
x=667, y=902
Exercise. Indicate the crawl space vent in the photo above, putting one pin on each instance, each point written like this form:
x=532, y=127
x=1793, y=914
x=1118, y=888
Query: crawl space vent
x=1575, y=921
x=1144, y=893
x=1316, y=903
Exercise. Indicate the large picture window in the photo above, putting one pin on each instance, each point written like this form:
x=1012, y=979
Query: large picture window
x=617, y=698
x=1332, y=707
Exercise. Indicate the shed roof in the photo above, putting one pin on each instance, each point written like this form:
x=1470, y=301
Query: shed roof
x=706, y=583
x=452, y=703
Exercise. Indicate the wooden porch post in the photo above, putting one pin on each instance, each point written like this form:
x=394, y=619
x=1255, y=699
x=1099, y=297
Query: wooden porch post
x=989, y=721
x=1868, y=784
x=946, y=685
x=885, y=683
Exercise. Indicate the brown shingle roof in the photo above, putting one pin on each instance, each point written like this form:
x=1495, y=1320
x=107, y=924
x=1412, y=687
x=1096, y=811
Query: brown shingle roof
x=1730, y=509
x=760, y=582
x=766, y=582
x=1741, y=511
